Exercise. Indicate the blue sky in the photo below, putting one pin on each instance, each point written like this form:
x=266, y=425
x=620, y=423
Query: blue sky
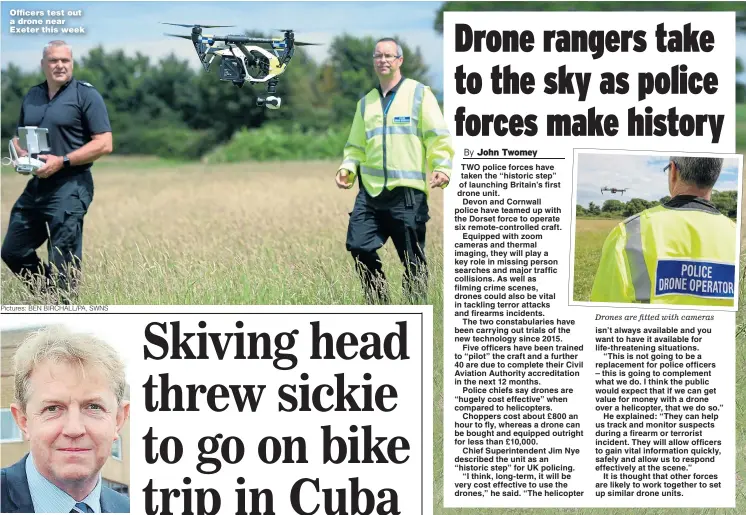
x=642, y=174
x=133, y=26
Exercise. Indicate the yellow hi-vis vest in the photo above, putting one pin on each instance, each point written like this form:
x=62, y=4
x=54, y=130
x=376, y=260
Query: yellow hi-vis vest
x=397, y=148
x=667, y=255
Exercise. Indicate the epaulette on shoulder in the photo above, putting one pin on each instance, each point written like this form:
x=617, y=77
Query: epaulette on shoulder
x=84, y=83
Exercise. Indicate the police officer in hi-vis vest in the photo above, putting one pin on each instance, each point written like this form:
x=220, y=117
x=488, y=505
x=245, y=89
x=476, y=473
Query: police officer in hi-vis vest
x=397, y=134
x=680, y=252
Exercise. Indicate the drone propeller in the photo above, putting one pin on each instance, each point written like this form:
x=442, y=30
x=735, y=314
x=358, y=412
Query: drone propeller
x=179, y=36
x=196, y=25
x=298, y=43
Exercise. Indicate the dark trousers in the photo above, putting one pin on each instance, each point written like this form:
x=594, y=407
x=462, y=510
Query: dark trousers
x=399, y=214
x=50, y=211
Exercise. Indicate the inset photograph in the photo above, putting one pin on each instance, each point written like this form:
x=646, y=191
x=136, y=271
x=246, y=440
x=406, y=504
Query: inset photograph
x=65, y=423
x=656, y=228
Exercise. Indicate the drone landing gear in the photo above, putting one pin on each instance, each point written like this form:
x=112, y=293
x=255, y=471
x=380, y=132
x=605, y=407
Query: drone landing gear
x=272, y=101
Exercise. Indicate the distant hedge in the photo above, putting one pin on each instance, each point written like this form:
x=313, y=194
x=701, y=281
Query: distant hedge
x=271, y=143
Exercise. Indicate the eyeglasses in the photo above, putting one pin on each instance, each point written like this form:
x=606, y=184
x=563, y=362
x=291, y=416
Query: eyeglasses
x=386, y=57
x=665, y=170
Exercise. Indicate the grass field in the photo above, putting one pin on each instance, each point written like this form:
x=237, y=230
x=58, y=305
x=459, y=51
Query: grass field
x=164, y=233
x=589, y=240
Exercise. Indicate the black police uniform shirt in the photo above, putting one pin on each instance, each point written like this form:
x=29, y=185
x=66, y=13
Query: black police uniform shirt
x=75, y=113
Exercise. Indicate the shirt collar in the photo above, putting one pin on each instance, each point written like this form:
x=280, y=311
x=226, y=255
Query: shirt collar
x=683, y=199
x=392, y=90
x=45, y=85
x=48, y=498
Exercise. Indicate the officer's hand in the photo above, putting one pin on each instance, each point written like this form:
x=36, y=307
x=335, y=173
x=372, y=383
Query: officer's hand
x=343, y=179
x=52, y=165
x=22, y=152
x=439, y=180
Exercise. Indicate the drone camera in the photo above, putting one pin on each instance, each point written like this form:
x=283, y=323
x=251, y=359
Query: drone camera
x=271, y=102
x=231, y=70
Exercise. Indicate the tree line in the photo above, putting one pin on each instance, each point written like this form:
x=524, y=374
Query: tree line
x=171, y=108
x=725, y=201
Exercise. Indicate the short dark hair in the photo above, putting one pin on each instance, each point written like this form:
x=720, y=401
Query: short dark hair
x=399, y=51
x=700, y=171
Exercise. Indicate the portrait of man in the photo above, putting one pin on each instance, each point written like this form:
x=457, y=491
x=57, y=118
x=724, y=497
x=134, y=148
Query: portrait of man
x=70, y=407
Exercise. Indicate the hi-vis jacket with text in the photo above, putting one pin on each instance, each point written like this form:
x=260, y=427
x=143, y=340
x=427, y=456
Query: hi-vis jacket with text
x=397, y=147
x=680, y=252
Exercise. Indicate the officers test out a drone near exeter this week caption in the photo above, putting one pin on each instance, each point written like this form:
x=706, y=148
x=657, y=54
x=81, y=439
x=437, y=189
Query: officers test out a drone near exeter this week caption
x=72, y=117
x=397, y=133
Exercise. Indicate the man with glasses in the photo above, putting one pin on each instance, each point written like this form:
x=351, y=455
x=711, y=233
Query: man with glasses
x=680, y=252
x=397, y=134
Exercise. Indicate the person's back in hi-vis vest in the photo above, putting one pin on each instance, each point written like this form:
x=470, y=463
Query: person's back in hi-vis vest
x=398, y=133
x=680, y=252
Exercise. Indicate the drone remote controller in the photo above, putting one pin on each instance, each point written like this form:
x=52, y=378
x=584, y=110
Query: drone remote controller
x=34, y=139
x=24, y=165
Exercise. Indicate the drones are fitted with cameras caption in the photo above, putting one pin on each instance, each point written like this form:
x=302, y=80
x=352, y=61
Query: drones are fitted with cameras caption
x=255, y=65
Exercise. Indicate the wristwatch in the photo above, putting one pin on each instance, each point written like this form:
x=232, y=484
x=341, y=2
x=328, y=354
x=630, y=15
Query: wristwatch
x=65, y=162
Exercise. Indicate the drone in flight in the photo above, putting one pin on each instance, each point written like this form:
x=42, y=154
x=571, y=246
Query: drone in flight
x=613, y=190
x=252, y=64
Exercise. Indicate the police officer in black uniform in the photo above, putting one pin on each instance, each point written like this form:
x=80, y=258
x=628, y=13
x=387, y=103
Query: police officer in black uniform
x=56, y=199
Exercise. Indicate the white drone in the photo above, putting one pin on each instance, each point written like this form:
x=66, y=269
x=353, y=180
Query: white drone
x=266, y=66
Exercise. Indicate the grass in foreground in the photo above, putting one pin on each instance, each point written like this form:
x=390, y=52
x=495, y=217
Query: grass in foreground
x=222, y=234
x=589, y=240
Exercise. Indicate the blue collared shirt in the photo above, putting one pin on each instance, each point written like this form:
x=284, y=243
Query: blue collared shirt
x=48, y=498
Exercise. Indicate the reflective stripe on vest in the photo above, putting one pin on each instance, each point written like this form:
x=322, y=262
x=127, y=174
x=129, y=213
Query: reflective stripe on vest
x=390, y=129
x=419, y=91
x=395, y=174
x=636, y=258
